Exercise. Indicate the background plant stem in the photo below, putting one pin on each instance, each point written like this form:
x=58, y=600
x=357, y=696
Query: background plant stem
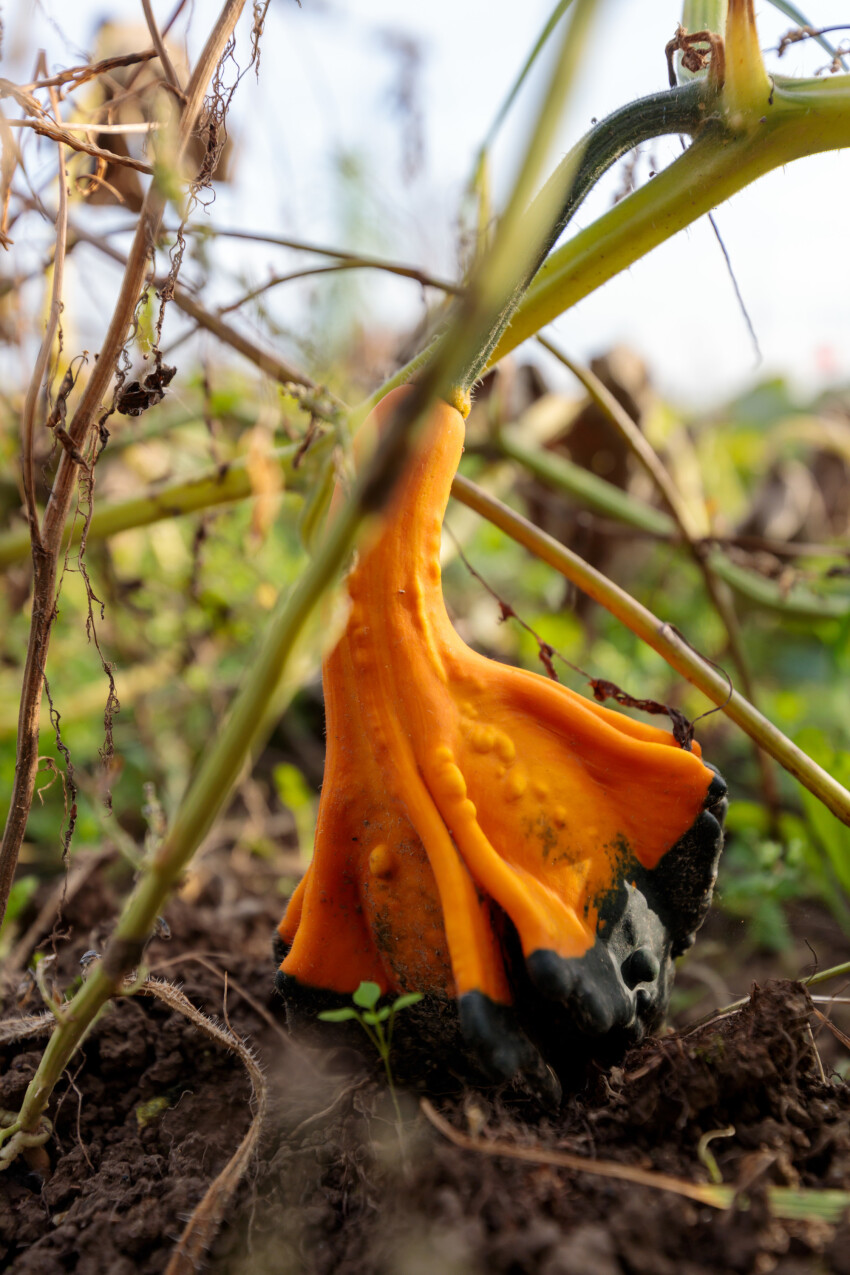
x=718, y=594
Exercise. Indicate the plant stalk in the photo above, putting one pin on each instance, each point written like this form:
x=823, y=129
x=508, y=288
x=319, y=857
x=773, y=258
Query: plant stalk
x=689, y=531
x=46, y=550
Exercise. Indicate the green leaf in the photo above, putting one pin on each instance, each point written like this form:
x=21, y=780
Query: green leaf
x=20, y=894
x=376, y=1016
x=409, y=998
x=296, y=793
x=367, y=995
x=338, y=1015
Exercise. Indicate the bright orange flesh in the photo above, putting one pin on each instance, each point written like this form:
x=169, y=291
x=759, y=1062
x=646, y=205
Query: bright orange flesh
x=453, y=782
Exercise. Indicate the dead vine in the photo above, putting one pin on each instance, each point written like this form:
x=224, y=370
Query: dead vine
x=201, y=1228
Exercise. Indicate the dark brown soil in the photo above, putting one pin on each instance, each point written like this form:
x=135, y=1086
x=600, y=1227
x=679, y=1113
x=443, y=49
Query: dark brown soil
x=154, y=1109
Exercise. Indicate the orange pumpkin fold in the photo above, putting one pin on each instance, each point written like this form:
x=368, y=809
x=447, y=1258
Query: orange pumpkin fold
x=459, y=792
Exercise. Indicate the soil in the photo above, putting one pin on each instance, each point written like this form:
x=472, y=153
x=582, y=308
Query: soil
x=153, y=1109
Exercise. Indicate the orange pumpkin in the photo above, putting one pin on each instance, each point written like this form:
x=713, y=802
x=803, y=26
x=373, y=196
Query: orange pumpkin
x=459, y=791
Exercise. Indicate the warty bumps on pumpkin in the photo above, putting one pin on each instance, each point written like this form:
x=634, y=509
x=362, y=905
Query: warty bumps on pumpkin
x=467, y=804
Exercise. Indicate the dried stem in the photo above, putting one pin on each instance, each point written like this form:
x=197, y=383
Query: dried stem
x=159, y=44
x=406, y=272
x=43, y=357
x=150, y=127
x=271, y=364
x=79, y=75
x=67, y=138
x=207, y=1216
x=46, y=553
x=357, y=260
x=784, y=1202
x=8, y=164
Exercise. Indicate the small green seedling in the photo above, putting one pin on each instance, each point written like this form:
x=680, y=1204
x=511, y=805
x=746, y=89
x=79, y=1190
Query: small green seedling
x=372, y=1021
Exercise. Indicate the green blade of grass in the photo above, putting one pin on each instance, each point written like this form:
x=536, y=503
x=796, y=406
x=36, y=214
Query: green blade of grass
x=552, y=21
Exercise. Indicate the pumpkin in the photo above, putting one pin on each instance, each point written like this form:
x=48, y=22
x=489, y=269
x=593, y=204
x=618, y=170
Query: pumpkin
x=462, y=797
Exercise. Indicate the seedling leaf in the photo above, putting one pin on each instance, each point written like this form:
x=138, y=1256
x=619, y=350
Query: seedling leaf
x=367, y=995
x=337, y=1015
x=373, y=1016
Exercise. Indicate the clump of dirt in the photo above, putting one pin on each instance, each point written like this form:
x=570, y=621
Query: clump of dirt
x=153, y=1109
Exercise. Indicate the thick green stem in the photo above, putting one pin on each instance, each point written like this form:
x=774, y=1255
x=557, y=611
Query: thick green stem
x=207, y=794
x=730, y=151
x=680, y=110
x=804, y=117
x=664, y=639
x=704, y=15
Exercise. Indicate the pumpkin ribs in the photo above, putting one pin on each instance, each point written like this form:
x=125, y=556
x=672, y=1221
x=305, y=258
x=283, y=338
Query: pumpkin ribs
x=467, y=805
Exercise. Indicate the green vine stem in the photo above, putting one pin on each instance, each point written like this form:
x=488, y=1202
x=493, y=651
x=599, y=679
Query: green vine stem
x=794, y=119
x=679, y=110
x=704, y=15
x=664, y=639
x=219, y=486
x=756, y=124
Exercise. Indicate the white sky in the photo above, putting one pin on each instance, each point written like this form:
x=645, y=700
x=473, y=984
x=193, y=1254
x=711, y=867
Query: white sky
x=327, y=75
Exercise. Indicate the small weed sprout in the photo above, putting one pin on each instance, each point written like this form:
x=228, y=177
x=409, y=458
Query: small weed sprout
x=372, y=1021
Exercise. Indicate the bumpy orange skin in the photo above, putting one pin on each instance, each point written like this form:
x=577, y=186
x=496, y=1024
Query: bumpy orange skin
x=454, y=783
